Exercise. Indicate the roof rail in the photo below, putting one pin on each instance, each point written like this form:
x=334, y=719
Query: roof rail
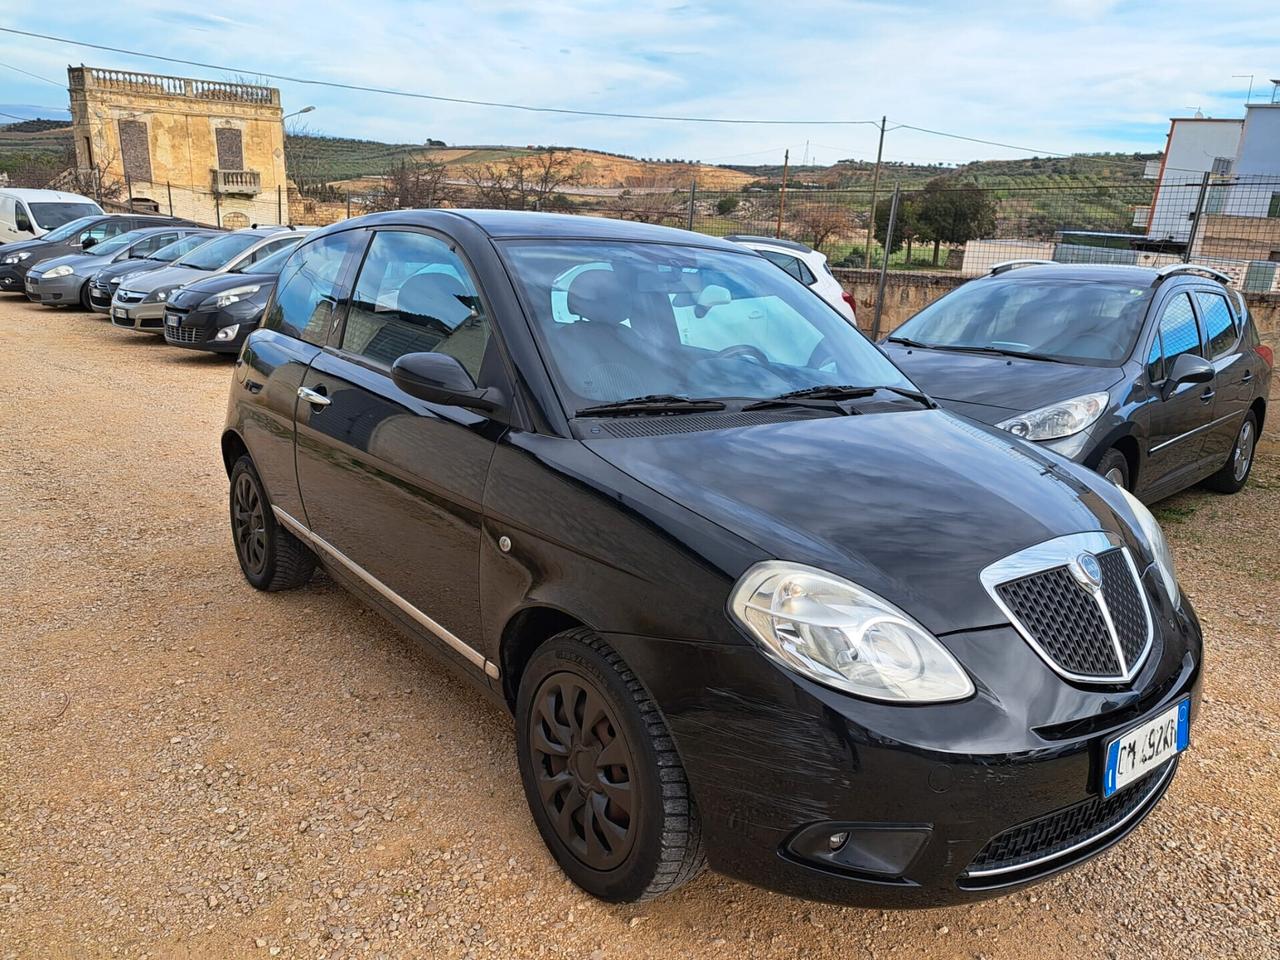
x=1174, y=269
x=1014, y=264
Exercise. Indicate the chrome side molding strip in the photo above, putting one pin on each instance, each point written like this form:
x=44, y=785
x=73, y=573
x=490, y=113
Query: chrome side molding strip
x=300, y=530
x=1191, y=433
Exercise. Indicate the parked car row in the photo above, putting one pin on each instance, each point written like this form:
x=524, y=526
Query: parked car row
x=754, y=598
x=132, y=267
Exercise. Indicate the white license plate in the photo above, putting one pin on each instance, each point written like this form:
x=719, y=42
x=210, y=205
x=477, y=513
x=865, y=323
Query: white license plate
x=172, y=319
x=119, y=315
x=1145, y=747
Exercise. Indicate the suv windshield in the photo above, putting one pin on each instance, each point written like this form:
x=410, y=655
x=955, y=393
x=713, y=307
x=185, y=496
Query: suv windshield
x=70, y=228
x=1077, y=321
x=176, y=249
x=267, y=266
x=216, y=253
x=622, y=320
x=49, y=214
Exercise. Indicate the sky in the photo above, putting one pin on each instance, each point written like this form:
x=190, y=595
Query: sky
x=1056, y=76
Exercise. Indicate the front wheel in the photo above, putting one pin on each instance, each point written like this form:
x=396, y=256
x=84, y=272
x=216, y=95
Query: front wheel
x=604, y=783
x=271, y=557
x=85, y=303
x=1114, y=466
x=1235, y=472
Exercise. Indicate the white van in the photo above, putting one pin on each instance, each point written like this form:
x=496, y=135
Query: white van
x=27, y=214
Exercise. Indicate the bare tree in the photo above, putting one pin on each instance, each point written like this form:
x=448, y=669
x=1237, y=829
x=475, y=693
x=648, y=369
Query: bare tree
x=522, y=183
x=410, y=186
x=648, y=207
x=816, y=224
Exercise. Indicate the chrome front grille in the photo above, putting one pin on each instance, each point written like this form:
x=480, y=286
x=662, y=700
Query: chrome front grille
x=129, y=296
x=183, y=334
x=1078, y=602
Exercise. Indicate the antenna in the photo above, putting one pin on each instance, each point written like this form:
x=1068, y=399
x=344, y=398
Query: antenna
x=1241, y=76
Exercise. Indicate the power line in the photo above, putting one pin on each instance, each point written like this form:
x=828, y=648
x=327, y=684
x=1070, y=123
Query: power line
x=428, y=96
x=33, y=76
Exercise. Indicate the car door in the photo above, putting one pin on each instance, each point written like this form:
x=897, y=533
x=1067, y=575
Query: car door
x=393, y=483
x=1175, y=437
x=1233, y=373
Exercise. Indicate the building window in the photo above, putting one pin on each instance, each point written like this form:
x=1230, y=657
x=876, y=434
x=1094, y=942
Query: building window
x=135, y=150
x=1222, y=166
x=230, y=148
x=1273, y=210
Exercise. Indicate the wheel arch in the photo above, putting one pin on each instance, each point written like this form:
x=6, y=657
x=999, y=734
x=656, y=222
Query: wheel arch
x=1259, y=410
x=233, y=448
x=525, y=631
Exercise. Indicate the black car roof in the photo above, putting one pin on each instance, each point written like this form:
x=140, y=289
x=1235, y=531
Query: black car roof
x=510, y=224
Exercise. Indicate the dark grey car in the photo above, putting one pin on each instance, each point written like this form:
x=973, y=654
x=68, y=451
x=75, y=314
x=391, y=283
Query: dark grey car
x=1155, y=378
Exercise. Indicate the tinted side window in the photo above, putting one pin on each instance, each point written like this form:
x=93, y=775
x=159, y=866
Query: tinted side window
x=1178, y=330
x=414, y=295
x=1155, y=360
x=1219, y=324
x=309, y=289
x=791, y=265
x=151, y=244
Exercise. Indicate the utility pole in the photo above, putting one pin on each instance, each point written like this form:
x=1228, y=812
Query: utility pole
x=169, y=186
x=782, y=194
x=693, y=195
x=884, y=267
x=875, y=187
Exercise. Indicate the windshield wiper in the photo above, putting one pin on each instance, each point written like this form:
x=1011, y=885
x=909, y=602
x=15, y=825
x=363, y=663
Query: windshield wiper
x=908, y=342
x=835, y=393
x=655, y=403
x=1002, y=352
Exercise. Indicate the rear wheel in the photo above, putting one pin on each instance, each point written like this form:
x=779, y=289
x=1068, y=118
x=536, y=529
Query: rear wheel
x=1235, y=472
x=604, y=782
x=1114, y=466
x=271, y=557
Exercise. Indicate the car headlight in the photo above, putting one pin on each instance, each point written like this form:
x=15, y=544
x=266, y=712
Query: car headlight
x=1149, y=527
x=1058, y=419
x=836, y=633
x=158, y=295
x=227, y=333
x=62, y=271
x=228, y=297
x=17, y=257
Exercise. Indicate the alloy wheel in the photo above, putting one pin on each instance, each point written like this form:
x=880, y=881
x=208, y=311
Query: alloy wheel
x=583, y=766
x=249, y=522
x=1115, y=475
x=1243, y=455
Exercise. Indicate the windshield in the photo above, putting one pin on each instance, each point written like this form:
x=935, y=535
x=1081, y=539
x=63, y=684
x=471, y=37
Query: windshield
x=268, y=266
x=185, y=245
x=69, y=228
x=116, y=244
x=1080, y=321
x=620, y=320
x=49, y=214
x=216, y=253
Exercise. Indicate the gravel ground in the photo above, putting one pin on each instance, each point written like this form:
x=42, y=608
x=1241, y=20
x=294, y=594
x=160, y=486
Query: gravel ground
x=191, y=769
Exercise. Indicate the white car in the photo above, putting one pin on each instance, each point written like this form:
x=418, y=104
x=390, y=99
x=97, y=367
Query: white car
x=806, y=265
x=28, y=214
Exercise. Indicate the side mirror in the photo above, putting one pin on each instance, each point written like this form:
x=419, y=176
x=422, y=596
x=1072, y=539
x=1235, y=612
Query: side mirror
x=88, y=242
x=1188, y=368
x=439, y=378
x=22, y=224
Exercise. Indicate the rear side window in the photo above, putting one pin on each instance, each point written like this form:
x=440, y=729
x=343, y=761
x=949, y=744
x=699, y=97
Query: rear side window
x=1178, y=334
x=310, y=287
x=792, y=265
x=414, y=295
x=1219, y=323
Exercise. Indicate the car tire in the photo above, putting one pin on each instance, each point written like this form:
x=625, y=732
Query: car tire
x=1235, y=472
x=1114, y=466
x=625, y=829
x=271, y=557
x=84, y=297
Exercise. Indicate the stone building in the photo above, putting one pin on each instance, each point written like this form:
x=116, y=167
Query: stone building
x=205, y=150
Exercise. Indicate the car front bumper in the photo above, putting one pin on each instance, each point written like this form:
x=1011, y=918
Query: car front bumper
x=942, y=804
x=100, y=297
x=11, y=279
x=198, y=329
x=54, y=292
x=147, y=317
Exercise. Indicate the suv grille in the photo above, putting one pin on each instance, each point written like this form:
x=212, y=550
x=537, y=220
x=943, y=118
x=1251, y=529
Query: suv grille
x=1092, y=634
x=1047, y=841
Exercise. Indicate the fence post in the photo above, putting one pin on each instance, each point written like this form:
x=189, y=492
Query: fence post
x=1195, y=219
x=169, y=186
x=693, y=195
x=217, y=209
x=875, y=188
x=128, y=183
x=782, y=193
x=884, y=266
x=348, y=203
x=279, y=205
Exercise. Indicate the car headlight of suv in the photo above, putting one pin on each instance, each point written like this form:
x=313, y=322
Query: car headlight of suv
x=17, y=257
x=1058, y=419
x=834, y=632
x=235, y=295
x=1153, y=536
x=62, y=271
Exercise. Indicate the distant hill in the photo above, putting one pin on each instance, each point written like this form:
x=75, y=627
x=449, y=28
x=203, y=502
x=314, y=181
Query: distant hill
x=36, y=126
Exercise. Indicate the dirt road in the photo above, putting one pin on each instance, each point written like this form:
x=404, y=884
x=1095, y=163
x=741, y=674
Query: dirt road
x=192, y=769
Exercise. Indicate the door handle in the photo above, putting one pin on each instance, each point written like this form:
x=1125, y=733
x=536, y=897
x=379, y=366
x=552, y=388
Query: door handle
x=314, y=397
x=1204, y=397
x=1248, y=377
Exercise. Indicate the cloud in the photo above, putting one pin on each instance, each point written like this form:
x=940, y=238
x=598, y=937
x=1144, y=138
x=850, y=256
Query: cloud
x=1060, y=77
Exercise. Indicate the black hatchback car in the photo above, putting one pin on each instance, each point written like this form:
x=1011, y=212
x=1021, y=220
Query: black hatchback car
x=753, y=599
x=217, y=313
x=1157, y=379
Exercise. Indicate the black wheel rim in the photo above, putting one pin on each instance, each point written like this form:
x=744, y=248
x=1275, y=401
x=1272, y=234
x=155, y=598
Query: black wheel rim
x=583, y=766
x=248, y=522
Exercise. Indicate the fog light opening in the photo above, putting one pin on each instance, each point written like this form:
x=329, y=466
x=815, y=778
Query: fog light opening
x=837, y=840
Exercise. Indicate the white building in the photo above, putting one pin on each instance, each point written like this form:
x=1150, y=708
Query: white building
x=1256, y=170
x=1196, y=146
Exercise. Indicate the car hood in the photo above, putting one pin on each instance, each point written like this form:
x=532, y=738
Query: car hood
x=80, y=263
x=993, y=388
x=911, y=505
x=141, y=265
x=165, y=278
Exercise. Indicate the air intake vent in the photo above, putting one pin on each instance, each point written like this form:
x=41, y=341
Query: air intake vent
x=692, y=423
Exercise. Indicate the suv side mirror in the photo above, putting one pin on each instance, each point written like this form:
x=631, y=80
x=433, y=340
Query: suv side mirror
x=440, y=378
x=1188, y=368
